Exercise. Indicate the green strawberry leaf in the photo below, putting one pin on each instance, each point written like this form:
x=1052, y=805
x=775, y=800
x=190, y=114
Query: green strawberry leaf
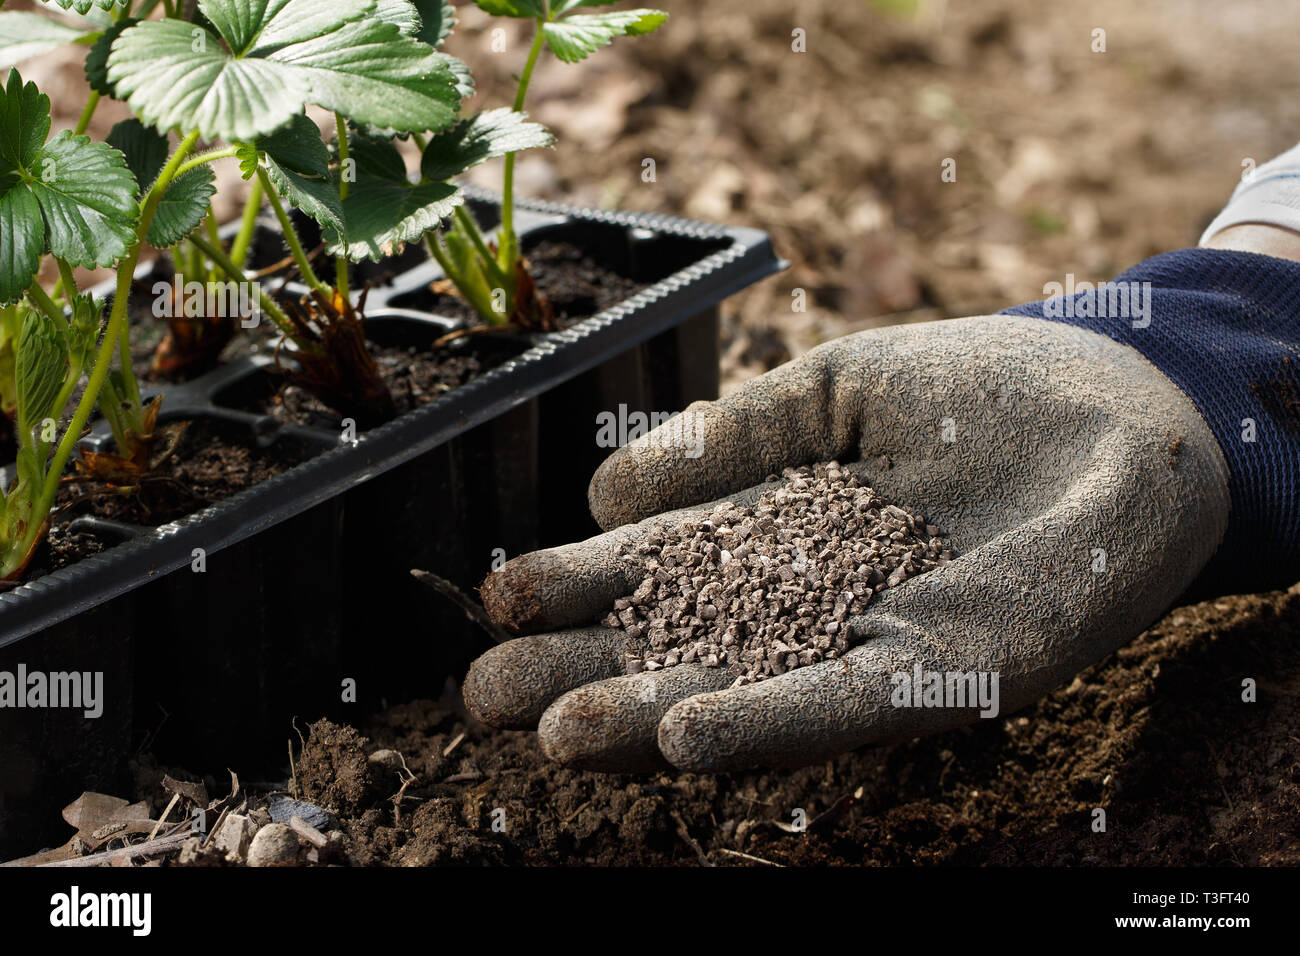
x=577, y=37
x=24, y=35
x=84, y=7
x=437, y=20
x=401, y=14
x=89, y=201
x=144, y=148
x=297, y=146
x=175, y=74
x=40, y=367
x=485, y=136
x=461, y=77
x=11, y=325
x=83, y=328
x=97, y=59
x=318, y=198
x=182, y=207
x=298, y=165
x=24, y=123
x=429, y=21
x=270, y=58
x=69, y=196
x=185, y=202
x=22, y=241
x=513, y=8
x=384, y=208
x=95, y=16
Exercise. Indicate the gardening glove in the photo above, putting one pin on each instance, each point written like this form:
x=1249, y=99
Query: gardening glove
x=1084, y=469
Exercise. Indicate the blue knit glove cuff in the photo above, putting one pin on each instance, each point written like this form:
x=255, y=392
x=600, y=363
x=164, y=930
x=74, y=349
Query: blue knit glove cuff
x=1224, y=327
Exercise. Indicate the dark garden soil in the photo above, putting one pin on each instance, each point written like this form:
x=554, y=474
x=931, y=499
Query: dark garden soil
x=211, y=461
x=62, y=547
x=1157, y=735
x=576, y=285
x=414, y=376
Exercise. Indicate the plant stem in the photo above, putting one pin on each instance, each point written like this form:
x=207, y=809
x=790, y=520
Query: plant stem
x=131, y=386
x=506, y=250
x=341, y=262
x=233, y=272
x=468, y=290
x=223, y=153
x=212, y=228
x=68, y=280
x=112, y=405
x=104, y=357
x=291, y=236
x=436, y=250
x=41, y=299
x=252, y=206
x=69, y=386
x=470, y=228
x=84, y=122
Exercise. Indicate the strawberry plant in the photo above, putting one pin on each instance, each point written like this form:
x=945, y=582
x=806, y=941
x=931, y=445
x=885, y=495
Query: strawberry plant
x=377, y=67
x=209, y=80
x=236, y=75
x=244, y=74
x=494, y=278
x=74, y=201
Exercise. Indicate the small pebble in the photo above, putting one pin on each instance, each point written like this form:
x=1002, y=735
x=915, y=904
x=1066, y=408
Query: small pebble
x=274, y=845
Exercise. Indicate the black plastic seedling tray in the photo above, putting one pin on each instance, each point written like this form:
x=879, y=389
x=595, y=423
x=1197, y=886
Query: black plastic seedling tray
x=306, y=584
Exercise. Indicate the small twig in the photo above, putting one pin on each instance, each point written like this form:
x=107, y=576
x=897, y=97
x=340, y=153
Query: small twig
x=293, y=773
x=750, y=857
x=273, y=268
x=450, y=748
x=308, y=832
x=465, y=777
x=846, y=800
x=146, y=850
x=510, y=328
x=573, y=816
x=458, y=597
x=166, y=813
x=401, y=795
x=690, y=840
x=216, y=826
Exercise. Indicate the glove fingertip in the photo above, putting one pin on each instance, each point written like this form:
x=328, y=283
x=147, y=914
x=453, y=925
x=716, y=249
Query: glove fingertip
x=511, y=598
x=494, y=701
x=684, y=736
x=614, y=494
x=577, y=732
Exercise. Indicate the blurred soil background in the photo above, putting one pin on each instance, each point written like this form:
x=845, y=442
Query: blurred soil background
x=1067, y=160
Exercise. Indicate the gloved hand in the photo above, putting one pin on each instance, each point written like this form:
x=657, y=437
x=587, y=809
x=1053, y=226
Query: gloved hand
x=1080, y=488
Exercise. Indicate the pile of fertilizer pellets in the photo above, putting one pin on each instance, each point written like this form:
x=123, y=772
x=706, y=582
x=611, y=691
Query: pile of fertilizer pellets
x=766, y=589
